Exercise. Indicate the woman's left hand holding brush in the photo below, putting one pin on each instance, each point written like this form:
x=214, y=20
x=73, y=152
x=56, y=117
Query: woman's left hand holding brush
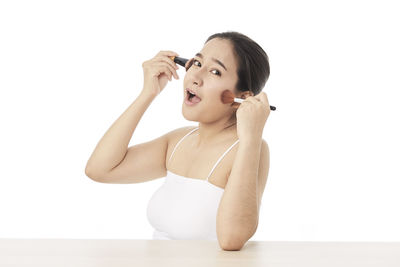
x=251, y=116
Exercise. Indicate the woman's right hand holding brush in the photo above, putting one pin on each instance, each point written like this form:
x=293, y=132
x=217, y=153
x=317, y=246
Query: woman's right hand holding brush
x=157, y=71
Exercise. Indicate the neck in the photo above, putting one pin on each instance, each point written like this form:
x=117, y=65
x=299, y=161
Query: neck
x=209, y=133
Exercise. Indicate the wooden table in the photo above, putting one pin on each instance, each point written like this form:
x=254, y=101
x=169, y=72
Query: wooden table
x=176, y=253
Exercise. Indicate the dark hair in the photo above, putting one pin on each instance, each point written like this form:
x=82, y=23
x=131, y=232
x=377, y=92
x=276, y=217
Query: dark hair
x=252, y=61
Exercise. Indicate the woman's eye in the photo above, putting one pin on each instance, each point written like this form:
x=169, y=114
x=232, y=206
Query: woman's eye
x=217, y=71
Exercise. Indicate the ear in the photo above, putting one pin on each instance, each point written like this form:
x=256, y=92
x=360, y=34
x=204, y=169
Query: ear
x=244, y=95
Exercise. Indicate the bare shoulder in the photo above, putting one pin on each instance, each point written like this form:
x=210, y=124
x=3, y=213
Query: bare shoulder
x=178, y=133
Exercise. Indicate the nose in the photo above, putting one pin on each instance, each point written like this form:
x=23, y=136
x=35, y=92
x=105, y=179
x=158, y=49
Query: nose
x=197, y=76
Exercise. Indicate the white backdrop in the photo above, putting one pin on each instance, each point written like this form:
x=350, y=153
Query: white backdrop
x=69, y=69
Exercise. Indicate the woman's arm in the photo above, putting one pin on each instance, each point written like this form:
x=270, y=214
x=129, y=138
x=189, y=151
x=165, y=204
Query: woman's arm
x=113, y=146
x=237, y=218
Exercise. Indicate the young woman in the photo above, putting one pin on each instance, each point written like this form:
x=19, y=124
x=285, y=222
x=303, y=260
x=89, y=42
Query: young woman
x=216, y=172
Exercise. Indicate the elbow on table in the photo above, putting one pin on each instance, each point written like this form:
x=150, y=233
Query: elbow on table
x=231, y=245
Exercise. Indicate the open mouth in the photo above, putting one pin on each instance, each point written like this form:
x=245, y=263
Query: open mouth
x=190, y=95
x=192, y=98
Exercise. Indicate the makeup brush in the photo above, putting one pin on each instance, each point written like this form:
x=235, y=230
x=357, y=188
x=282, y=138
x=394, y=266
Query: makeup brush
x=179, y=60
x=228, y=97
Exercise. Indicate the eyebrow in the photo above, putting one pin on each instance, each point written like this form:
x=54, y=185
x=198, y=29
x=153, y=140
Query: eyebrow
x=216, y=60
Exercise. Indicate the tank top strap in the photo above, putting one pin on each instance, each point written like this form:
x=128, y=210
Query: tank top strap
x=181, y=141
x=220, y=158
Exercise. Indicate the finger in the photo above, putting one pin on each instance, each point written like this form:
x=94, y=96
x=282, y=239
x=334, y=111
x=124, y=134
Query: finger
x=170, y=68
x=263, y=98
x=169, y=61
x=164, y=68
x=167, y=53
x=251, y=99
x=173, y=62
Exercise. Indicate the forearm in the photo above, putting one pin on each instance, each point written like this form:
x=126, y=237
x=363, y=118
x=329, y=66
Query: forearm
x=112, y=147
x=238, y=209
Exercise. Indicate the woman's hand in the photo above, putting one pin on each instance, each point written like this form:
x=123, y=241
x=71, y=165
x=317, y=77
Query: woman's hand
x=251, y=116
x=157, y=71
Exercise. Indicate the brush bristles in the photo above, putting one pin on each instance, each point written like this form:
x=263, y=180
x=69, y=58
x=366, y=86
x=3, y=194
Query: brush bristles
x=228, y=97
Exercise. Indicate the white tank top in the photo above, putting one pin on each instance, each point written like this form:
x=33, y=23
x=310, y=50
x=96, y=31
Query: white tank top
x=184, y=207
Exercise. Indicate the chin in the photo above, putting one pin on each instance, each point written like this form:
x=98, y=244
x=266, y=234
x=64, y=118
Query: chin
x=190, y=114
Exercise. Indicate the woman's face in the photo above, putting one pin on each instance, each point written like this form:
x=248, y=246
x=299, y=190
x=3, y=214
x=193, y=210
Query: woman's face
x=208, y=79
